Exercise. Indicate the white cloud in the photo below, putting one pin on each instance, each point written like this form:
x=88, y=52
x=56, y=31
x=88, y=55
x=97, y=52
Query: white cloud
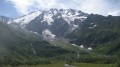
x=22, y=6
x=114, y=13
x=89, y=6
x=93, y=6
x=102, y=7
x=26, y=6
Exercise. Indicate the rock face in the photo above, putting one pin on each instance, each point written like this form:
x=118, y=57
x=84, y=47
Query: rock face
x=79, y=28
x=47, y=35
x=59, y=22
x=75, y=26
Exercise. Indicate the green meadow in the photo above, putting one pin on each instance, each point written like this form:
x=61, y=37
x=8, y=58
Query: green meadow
x=62, y=65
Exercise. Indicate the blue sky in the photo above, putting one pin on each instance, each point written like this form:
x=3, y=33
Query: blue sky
x=7, y=9
x=16, y=8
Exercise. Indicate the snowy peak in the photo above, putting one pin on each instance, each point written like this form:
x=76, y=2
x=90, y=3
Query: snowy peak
x=51, y=23
x=27, y=18
x=49, y=16
x=5, y=19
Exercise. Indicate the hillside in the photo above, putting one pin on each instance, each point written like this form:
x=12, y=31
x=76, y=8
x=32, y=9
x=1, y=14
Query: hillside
x=64, y=35
x=75, y=27
x=18, y=47
x=100, y=32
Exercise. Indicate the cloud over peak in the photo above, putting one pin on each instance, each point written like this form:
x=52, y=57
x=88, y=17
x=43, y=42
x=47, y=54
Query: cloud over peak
x=103, y=7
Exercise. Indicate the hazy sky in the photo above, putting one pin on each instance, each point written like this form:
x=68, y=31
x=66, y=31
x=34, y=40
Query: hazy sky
x=16, y=8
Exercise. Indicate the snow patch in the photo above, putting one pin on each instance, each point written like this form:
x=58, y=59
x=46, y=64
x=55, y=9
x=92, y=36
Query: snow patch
x=91, y=23
x=74, y=44
x=66, y=65
x=9, y=22
x=48, y=18
x=73, y=27
x=26, y=19
x=55, y=12
x=59, y=17
x=47, y=35
x=81, y=46
x=89, y=48
x=92, y=27
x=76, y=13
x=68, y=16
x=34, y=32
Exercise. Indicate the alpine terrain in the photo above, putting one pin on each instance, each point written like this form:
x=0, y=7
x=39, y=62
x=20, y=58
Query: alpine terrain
x=64, y=35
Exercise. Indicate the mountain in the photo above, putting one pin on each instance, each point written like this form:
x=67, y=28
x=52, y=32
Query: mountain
x=74, y=27
x=59, y=34
x=53, y=24
x=5, y=19
x=102, y=33
x=57, y=22
x=18, y=46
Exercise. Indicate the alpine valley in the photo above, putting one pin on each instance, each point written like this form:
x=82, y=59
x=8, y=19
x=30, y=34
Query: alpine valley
x=59, y=35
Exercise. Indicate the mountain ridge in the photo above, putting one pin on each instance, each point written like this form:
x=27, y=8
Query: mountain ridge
x=70, y=24
x=63, y=35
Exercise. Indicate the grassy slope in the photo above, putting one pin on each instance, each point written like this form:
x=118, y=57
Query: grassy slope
x=15, y=46
x=105, y=36
x=76, y=64
x=11, y=38
x=63, y=43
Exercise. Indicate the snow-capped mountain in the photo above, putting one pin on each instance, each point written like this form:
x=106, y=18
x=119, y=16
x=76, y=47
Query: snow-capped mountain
x=66, y=27
x=27, y=18
x=49, y=16
x=57, y=21
x=5, y=19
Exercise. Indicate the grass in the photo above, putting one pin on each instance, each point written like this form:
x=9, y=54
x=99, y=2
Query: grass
x=91, y=65
x=63, y=43
x=76, y=64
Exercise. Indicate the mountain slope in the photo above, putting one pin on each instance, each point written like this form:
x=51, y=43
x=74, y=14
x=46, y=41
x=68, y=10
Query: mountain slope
x=100, y=32
x=37, y=36
x=51, y=24
x=17, y=46
x=59, y=22
x=89, y=30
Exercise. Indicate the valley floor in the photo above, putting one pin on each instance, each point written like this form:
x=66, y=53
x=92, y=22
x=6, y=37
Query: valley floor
x=62, y=65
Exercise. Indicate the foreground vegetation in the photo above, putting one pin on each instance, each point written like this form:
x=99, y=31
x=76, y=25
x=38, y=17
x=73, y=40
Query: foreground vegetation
x=62, y=65
x=19, y=48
